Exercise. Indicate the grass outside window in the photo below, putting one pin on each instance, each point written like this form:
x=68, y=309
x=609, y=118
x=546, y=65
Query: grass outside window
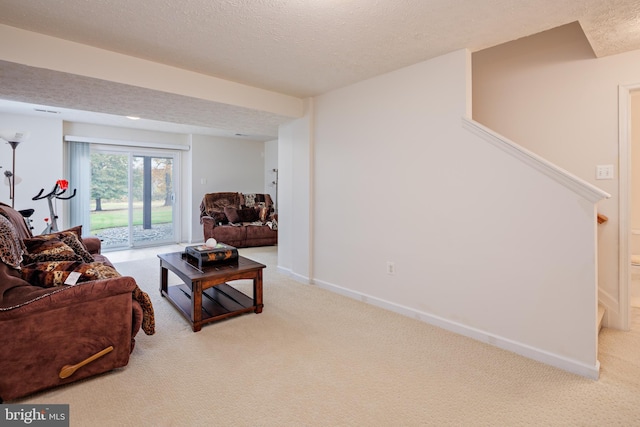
x=115, y=215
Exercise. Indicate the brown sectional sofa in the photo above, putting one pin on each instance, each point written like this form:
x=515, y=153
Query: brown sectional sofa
x=239, y=219
x=44, y=329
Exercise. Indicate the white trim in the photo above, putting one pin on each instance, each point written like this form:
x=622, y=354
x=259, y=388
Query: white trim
x=560, y=362
x=142, y=144
x=572, y=182
x=295, y=276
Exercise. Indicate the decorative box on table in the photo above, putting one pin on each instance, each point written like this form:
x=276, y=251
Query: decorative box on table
x=218, y=254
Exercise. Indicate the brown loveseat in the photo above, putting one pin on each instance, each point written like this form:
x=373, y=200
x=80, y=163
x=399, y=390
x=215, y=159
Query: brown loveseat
x=44, y=329
x=239, y=219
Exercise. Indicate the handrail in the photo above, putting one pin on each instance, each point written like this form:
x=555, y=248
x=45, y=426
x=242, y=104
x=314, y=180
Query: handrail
x=572, y=182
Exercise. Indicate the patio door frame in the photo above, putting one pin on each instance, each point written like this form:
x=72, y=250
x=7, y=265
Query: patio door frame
x=133, y=152
x=145, y=149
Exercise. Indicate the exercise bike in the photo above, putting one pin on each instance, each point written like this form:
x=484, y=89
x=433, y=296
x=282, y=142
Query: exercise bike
x=58, y=190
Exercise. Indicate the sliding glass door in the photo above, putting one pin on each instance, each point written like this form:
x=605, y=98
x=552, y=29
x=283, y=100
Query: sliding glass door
x=152, y=209
x=132, y=200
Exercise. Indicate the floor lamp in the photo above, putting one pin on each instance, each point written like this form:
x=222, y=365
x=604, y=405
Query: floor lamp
x=13, y=138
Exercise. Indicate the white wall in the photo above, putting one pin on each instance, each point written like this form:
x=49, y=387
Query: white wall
x=482, y=244
x=295, y=157
x=550, y=94
x=223, y=164
x=38, y=164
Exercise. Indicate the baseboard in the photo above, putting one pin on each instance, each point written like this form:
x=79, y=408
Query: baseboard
x=295, y=276
x=524, y=350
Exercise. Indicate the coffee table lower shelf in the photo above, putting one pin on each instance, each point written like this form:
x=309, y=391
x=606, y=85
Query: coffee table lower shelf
x=218, y=302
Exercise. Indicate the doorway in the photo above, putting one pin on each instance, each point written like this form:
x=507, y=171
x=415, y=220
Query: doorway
x=132, y=202
x=627, y=95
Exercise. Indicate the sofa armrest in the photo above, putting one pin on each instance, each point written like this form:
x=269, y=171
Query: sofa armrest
x=208, y=224
x=210, y=219
x=65, y=327
x=93, y=244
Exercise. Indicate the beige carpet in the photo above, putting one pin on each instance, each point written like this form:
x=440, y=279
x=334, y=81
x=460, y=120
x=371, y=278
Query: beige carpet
x=314, y=358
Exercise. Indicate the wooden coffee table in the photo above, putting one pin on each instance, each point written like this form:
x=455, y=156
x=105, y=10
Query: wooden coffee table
x=205, y=295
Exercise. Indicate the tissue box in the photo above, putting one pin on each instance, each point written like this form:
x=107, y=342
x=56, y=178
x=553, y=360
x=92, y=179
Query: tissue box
x=218, y=254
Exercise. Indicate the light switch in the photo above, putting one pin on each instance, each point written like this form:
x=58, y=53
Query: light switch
x=604, y=172
x=203, y=181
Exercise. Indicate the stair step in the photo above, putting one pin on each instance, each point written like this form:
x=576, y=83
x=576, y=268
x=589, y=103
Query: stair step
x=601, y=312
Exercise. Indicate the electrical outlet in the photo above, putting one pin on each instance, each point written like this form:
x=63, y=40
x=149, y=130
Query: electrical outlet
x=391, y=267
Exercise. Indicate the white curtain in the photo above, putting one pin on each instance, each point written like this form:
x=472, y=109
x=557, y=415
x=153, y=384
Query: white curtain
x=80, y=179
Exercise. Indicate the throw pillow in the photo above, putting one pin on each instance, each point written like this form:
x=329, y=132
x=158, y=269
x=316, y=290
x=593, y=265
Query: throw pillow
x=48, y=248
x=76, y=231
x=96, y=271
x=11, y=249
x=231, y=214
x=49, y=273
x=248, y=214
x=71, y=239
x=54, y=273
x=219, y=217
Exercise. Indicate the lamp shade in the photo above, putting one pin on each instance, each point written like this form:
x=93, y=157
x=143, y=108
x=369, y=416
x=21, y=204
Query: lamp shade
x=13, y=135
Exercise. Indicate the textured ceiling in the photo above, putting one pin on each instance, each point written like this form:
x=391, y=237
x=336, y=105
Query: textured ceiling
x=297, y=47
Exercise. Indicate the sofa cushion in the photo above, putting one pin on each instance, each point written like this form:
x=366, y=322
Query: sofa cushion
x=55, y=273
x=230, y=235
x=249, y=214
x=219, y=217
x=55, y=247
x=216, y=202
x=260, y=232
x=72, y=238
x=241, y=215
x=232, y=214
x=76, y=231
x=48, y=248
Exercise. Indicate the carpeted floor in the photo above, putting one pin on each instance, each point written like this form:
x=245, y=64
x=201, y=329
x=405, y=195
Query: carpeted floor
x=314, y=358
